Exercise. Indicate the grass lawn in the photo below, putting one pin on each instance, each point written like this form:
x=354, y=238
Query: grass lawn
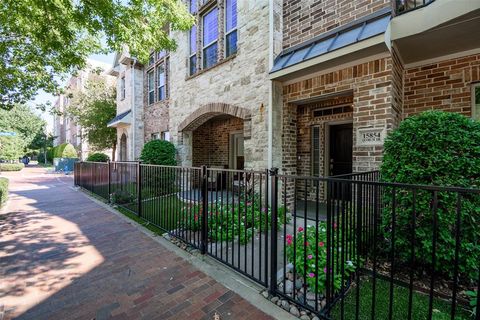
x=441, y=308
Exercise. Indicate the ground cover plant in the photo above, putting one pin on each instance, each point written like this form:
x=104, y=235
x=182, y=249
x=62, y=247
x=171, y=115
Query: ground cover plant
x=3, y=190
x=11, y=166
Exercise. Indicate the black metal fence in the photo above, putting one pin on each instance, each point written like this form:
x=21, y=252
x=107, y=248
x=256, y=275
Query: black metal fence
x=345, y=247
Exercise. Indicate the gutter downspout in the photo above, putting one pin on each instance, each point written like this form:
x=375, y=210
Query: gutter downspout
x=134, y=122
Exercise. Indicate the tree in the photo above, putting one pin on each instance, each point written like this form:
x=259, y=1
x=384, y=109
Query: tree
x=41, y=40
x=11, y=148
x=93, y=108
x=22, y=120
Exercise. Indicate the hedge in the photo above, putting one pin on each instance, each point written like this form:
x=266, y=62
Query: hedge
x=158, y=152
x=98, y=157
x=443, y=149
x=11, y=166
x=3, y=190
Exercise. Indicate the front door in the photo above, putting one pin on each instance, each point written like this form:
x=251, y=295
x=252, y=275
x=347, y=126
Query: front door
x=341, y=142
x=237, y=158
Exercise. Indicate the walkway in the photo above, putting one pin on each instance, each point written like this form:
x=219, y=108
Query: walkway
x=62, y=256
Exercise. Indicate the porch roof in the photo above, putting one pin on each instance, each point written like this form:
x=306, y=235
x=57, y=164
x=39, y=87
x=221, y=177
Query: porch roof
x=352, y=33
x=123, y=118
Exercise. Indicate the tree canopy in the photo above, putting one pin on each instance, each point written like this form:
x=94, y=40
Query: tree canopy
x=41, y=40
x=92, y=108
x=29, y=126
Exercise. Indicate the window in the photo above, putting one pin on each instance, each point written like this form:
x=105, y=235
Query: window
x=161, y=54
x=166, y=135
x=476, y=101
x=122, y=88
x=230, y=27
x=151, y=59
x=193, y=50
x=210, y=38
x=316, y=151
x=161, y=82
x=193, y=6
x=155, y=136
x=151, y=90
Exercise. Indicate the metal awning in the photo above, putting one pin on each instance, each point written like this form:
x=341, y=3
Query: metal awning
x=352, y=33
x=123, y=118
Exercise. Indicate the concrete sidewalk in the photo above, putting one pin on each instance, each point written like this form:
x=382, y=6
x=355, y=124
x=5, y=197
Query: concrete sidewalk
x=64, y=256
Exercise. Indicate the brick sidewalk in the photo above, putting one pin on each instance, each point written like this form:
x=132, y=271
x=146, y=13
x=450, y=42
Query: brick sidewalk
x=62, y=256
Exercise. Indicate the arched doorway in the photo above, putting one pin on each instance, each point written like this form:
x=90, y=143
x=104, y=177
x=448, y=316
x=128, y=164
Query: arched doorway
x=123, y=148
x=217, y=135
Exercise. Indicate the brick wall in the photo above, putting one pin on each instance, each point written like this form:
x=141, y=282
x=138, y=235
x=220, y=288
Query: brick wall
x=443, y=85
x=211, y=141
x=304, y=19
x=155, y=119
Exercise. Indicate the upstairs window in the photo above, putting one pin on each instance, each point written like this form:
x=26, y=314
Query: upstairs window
x=166, y=135
x=193, y=6
x=151, y=59
x=210, y=38
x=155, y=136
x=122, y=88
x=151, y=87
x=193, y=50
x=230, y=27
x=161, y=82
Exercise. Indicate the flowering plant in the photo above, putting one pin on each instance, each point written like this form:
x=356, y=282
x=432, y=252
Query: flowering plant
x=307, y=251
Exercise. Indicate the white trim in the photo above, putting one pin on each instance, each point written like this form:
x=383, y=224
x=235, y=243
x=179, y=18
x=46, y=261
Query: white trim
x=335, y=68
x=443, y=58
x=351, y=49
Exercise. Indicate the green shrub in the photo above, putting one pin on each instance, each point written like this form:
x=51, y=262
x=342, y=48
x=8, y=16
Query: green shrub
x=11, y=148
x=434, y=148
x=98, y=157
x=158, y=152
x=3, y=190
x=50, y=153
x=65, y=150
x=11, y=166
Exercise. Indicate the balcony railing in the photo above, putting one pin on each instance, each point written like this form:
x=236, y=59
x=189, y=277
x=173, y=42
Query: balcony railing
x=403, y=6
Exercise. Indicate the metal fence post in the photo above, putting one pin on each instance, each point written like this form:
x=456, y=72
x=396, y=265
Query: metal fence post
x=204, y=230
x=139, y=188
x=274, y=225
x=109, y=178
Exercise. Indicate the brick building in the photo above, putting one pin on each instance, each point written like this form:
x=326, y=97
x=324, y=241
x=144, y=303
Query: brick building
x=65, y=128
x=350, y=71
x=311, y=87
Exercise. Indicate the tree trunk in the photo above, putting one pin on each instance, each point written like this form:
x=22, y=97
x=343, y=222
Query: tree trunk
x=114, y=150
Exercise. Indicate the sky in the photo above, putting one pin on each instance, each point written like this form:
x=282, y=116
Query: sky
x=43, y=97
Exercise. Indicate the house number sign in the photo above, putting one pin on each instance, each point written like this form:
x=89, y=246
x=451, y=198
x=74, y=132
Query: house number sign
x=370, y=136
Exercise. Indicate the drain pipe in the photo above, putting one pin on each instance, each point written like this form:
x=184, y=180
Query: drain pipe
x=270, y=83
x=133, y=108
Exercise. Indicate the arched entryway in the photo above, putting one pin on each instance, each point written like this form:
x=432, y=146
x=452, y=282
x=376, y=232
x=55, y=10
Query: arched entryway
x=218, y=134
x=123, y=148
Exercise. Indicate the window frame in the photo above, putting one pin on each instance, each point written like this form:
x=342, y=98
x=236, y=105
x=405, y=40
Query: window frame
x=312, y=150
x=475, y=112
x=162, y=64
x=122, y=87
x=194, y=53
x=150, y=72
x=163, y=135
x=208, y=45
x=155, y=136
x=227, y=33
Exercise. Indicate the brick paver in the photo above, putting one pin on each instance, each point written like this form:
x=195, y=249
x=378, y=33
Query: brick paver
x=62, y=256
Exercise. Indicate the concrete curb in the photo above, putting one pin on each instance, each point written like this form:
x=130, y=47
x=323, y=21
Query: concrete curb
x=244, y=287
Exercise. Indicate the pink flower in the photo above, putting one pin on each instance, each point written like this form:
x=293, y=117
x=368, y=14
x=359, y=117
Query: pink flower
x=289, y=236
x=325, y=270
x=289, y=241
x=311, y=274
x=249, y=203
x=306, y=243
x=334, y=226
x=300, y=229
x=264, y=209
x=310, y=257
x=321, y=244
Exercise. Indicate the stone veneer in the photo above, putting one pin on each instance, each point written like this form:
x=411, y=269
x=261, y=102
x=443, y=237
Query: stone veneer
x=444, y=85
x=240, y=80
x=305, y=19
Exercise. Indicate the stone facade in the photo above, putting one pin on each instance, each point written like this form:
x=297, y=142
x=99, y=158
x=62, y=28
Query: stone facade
x=240, y=81
x=133, y=73
x=306, y=19
x=443, y=85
